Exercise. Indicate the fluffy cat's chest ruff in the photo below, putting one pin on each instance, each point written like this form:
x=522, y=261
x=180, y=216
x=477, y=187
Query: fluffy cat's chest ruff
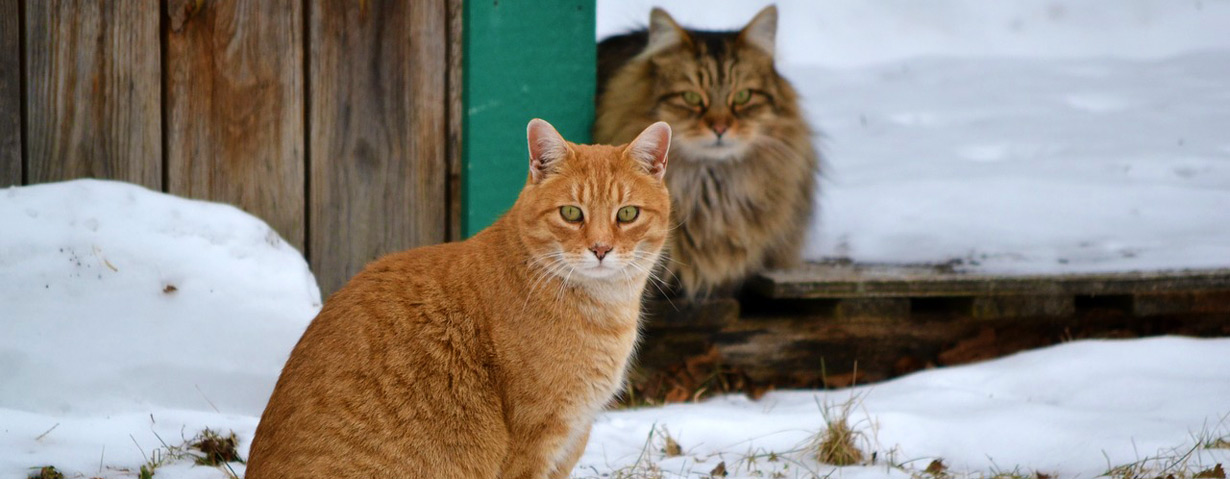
x=732, y=201
x=738, y=217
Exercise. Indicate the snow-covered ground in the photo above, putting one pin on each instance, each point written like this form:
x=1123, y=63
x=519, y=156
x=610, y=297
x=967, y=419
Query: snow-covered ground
x=124, y=312
x=132, y=320
x=1027, y=136
x=1024, y=136
x=1073, y=410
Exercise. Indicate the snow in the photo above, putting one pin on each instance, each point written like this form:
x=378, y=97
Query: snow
x=852, y=34
x=1007, y=137
x=102, y=367
x=1023, y=136
x=1067, y=410
x=120, y=307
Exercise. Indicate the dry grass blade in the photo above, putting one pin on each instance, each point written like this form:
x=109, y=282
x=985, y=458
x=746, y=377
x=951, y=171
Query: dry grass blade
x=837, y=443
x=217, y=449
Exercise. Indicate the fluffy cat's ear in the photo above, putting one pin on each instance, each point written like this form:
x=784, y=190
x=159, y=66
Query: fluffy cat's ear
x=663, y=32
x=547, y=149
x=650, y=148
x=761, y=32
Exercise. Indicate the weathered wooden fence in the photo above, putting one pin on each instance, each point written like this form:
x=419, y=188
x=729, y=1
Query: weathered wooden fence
x=337, y=121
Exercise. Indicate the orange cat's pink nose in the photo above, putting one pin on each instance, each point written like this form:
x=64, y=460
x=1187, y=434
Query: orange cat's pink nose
x=720, y=129
x=600, y=250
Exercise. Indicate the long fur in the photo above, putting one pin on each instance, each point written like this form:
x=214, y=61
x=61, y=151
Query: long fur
x=739, y=210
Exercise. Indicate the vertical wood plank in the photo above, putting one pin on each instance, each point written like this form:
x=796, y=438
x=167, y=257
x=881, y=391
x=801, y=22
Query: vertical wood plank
x=235, y=107
x=456, y=88
x=10, y=94
x=378, y=133
x=94, y=97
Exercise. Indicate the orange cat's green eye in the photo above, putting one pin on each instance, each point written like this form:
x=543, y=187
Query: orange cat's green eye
x=742, y=96
x=627, y=214
x=570, y=213
x=692, y=98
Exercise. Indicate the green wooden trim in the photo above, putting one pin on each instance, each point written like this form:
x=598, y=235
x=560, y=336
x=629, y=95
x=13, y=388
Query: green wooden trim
x=522, y=60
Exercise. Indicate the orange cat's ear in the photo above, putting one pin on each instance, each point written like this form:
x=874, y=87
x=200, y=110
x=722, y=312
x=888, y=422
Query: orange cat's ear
x=650, y=148
x=663, y=32
x=547, y=149
x=761, y=32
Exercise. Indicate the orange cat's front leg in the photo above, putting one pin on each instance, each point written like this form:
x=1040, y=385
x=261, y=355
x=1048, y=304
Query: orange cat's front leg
x=532, y=450
x=572, y=455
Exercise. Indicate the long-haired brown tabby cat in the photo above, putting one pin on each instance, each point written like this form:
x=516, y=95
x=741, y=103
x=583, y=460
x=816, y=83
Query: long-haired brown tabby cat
x=487, y=358
x=743, y=170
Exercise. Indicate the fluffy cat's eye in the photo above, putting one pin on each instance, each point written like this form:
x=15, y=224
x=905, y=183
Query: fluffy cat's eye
x=692, y=98
x=742, y=96
x=571, y=214
x=627, y=214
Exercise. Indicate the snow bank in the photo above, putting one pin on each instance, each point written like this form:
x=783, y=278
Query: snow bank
x=116, y=299
x=835, y=33
x=1070, y=410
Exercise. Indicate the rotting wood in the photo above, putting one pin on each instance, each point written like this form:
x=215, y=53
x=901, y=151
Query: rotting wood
x=378, y=126
x=1023, y=306
x=837, y=325
x=235, y=99
x=1151, y=304
x=787, y=349
x=94, y=98
x=10, y=95
x=681, y=313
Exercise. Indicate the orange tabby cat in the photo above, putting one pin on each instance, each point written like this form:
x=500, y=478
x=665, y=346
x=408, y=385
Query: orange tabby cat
x=487, y=358
x=743, y=167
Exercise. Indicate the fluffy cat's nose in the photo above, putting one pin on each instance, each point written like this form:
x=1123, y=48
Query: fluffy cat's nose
x=600, y=250
x=720, y=129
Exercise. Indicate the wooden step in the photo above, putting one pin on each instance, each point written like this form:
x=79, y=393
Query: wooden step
x=835, y=324
x=847, y=280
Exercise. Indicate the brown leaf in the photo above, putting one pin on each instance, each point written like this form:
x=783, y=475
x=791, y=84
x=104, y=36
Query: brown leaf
x=1215, y=473
x=700, y=365
x=980, y=347
x=719, y=471
x=936, y=468
x=170, y=288
x=678, y=394
x=839, y=381
x=672, y=448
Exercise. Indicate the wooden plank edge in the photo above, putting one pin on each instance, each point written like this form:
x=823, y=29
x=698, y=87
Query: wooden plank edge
x=979, y=285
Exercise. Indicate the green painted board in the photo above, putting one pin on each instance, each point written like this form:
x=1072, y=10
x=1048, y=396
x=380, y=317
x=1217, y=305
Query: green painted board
x=522, y=60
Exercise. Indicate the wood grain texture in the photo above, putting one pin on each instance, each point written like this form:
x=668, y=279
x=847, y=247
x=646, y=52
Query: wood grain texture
x=456, y=88
x=10, y=94
x=843, y=280
x=378, y=131
x=94, y=96
x=235, y=102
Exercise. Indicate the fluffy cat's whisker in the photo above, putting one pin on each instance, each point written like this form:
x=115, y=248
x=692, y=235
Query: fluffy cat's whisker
x=543, y=275
x=657, y=284
x=563, y=285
